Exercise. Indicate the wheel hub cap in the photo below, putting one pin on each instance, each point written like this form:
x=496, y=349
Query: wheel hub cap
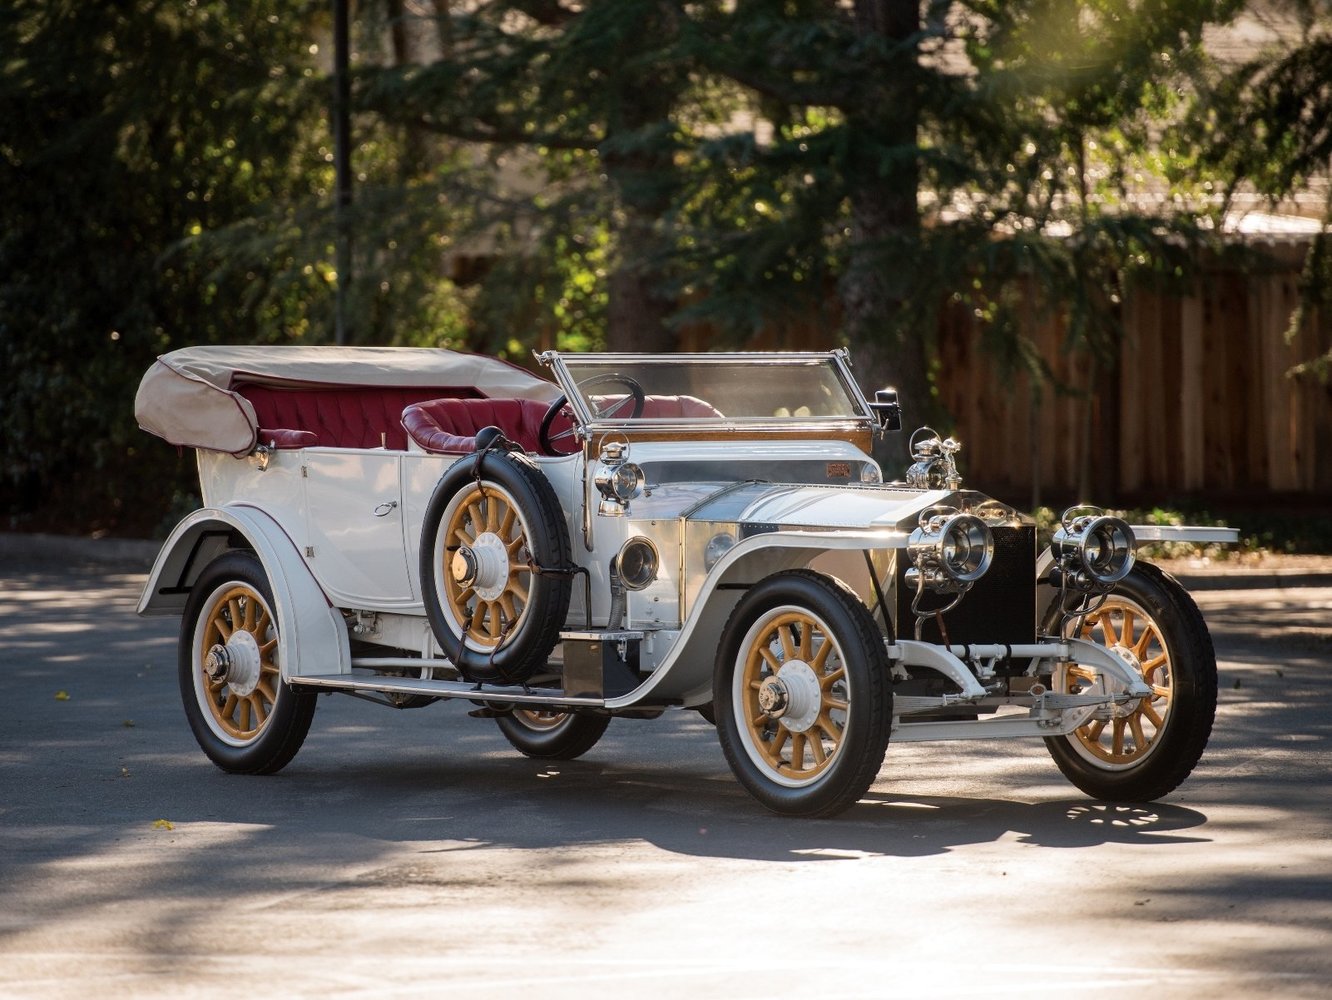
x=800, y=695
x=1134, y=664
x=483, y=566
x=773, y=697
x=238, y=663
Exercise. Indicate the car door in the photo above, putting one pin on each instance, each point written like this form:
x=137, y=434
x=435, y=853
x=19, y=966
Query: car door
x=355, y=527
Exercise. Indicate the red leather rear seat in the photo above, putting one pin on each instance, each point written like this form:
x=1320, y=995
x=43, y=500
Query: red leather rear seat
x=336, y=416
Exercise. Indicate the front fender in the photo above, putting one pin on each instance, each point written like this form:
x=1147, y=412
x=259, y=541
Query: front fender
x=685, y=674
x=312, y=639
x=1150, y=534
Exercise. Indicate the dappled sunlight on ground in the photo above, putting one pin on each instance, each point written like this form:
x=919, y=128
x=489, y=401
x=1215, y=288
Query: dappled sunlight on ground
x=406, y=853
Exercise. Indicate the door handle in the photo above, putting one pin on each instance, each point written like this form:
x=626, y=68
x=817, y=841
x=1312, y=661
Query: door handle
x=385, y=508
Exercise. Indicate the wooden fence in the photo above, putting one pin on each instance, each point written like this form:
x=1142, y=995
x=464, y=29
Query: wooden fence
x=1199, y=404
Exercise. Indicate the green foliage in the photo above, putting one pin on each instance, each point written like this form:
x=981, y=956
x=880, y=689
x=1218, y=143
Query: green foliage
x=129, y=129
x=991, y=154
x=602, y=174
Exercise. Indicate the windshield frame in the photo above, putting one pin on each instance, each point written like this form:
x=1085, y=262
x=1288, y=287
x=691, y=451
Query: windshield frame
x=588, y=424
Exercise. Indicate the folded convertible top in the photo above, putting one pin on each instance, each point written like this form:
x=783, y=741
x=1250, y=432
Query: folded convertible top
x=189, y=397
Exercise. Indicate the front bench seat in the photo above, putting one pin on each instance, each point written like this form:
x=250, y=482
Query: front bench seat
x=449, y=426
x=660, y=406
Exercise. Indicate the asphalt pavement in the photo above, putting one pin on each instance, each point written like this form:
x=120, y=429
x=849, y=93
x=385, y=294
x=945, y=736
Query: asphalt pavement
x=412, y=853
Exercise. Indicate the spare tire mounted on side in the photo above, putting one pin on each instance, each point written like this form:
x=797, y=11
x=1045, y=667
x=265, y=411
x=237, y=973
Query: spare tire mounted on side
x=495, y=566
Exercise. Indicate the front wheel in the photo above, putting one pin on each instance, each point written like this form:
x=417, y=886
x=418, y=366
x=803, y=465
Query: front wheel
x=802, y=695
x=1144, y=750
x=546, y=735
x=245, y=717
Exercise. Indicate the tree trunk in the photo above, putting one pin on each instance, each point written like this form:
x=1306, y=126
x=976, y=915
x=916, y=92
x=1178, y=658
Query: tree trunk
x=643, y=181
x=412, y=159
x=885, y=224
x=637, y=309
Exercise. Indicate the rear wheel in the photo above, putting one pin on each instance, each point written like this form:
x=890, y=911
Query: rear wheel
x=245, y=717
x=548, y=735
x=1144, y=750
x=803, y=702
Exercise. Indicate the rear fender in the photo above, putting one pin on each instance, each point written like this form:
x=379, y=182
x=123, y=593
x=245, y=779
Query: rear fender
x=313, y=638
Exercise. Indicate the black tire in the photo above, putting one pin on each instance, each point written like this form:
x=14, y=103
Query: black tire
x=1147, y=749
x=503, y=624
x=843, y=695
x=247, y=720
x=552, y=735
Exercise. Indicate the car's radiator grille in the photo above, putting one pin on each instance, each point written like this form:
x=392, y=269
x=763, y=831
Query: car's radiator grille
x=1001, y=607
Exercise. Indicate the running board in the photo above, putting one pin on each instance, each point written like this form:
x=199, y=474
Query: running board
x=447, y=689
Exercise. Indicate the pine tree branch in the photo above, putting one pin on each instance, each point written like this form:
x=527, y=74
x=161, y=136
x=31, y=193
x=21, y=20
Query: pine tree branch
x=501, y=136
x=786, y=91
x=548, y=13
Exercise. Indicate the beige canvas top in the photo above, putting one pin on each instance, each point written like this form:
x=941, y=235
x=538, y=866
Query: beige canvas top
x=187, y=397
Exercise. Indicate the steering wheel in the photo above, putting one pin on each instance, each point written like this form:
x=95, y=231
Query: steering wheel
x=549, y=442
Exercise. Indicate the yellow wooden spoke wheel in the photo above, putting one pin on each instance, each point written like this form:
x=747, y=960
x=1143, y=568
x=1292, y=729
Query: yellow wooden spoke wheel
x=237, y=650
x=802, y=697
x=1142, y=749
x=486, y=564
x=1132, y=731
x=793, y=691
x=495, y=566
x=548, y=734
x=245, y=716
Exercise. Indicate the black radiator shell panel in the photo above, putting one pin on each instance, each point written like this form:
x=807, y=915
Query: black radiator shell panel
x=1001, y=607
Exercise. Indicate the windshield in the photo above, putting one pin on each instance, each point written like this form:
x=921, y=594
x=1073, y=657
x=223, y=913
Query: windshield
x=703, y=387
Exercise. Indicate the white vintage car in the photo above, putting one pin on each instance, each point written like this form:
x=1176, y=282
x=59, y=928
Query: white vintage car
x=643, y=534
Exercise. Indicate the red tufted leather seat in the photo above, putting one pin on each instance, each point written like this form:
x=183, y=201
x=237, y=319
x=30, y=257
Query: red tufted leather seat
x=335, y=416
x=449, y=426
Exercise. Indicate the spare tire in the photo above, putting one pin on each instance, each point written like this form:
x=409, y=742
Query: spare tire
x=495, y=566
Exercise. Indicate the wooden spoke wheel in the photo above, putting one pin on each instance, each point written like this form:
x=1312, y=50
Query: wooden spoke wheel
x=802, y=697
x=237, y=648
x=1132, y=731
x=1143, y=749
x=485, y=564
x=242, y=713
x=793, y=693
